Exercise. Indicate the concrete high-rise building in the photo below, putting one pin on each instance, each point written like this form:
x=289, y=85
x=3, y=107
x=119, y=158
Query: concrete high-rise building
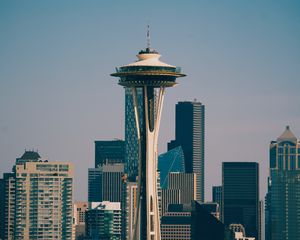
x=105, y=183
x=169, y=196
x=44, y=194
x=217, y=197
x=186, y=183
x=152, y=76
x=38, y=199
x=171, y=161
x=109, y=152
x=241, y=195
x=79, y=210
x=129, y=209
x=283, y=199
x=190, y=135
x=103, y=221
x=176, y=224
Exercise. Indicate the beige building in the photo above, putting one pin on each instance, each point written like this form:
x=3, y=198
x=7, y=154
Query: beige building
x=43, y=199
x=79, y=209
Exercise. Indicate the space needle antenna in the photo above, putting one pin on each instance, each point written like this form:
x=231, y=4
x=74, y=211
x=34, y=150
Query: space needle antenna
x=148, y=37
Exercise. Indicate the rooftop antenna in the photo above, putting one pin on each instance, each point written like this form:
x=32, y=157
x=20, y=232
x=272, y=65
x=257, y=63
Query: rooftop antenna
x=148, y=37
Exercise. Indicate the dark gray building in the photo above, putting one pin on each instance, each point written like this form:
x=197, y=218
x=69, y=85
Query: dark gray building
x=186, y=183
x=189, y=134
x=192, y=222
x=105, y=183
x=240, y=182
x=109, y=152
x=283, y=198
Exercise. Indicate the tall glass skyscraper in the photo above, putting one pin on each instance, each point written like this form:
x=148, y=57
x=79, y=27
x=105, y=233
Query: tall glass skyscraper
x=189, y=134
x=109, y=152
x=283, y=206
x=131, y=141
x=240, y=185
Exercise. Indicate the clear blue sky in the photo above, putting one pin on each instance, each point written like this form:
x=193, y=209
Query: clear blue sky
x=242, y=59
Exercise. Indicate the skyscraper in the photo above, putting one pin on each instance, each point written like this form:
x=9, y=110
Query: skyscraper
x=105, y=183
x=38, y=199
x=283, y=199
x=189, y=134
x=186, y=183
x=112, y=151
x=241, y=195
x=152, y=76
x=131, y=135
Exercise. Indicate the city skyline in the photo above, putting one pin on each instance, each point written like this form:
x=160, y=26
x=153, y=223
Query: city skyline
x=241, y=60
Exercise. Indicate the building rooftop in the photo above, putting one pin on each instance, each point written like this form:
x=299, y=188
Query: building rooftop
x=287, y=135
x=30, y=155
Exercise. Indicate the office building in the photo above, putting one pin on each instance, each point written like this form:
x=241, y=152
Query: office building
x=169, y=196
x=176, y=224
x=129, y=209
x=103, y=221
x=192, y=221
x=186, y=183
x=241, y=195
x=79, y=209
x=283, y=198
x=153, y=77
x=171, y=161
x=105, y=183
x=189, y=134
x=109, y=152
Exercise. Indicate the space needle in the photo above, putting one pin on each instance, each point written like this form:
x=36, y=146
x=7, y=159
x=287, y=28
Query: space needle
x=152, y=76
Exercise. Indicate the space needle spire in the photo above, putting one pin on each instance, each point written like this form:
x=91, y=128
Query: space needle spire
x=152, y=77
x=148, y=37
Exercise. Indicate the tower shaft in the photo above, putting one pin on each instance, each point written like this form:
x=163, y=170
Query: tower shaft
x=148, y=214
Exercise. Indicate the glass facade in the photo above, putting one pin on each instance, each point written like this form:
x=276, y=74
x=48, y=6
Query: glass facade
x=189, y=134
x=109, y=152
x=283, y=197
x=240, y=185
x=171, y=161
x=131, y=141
